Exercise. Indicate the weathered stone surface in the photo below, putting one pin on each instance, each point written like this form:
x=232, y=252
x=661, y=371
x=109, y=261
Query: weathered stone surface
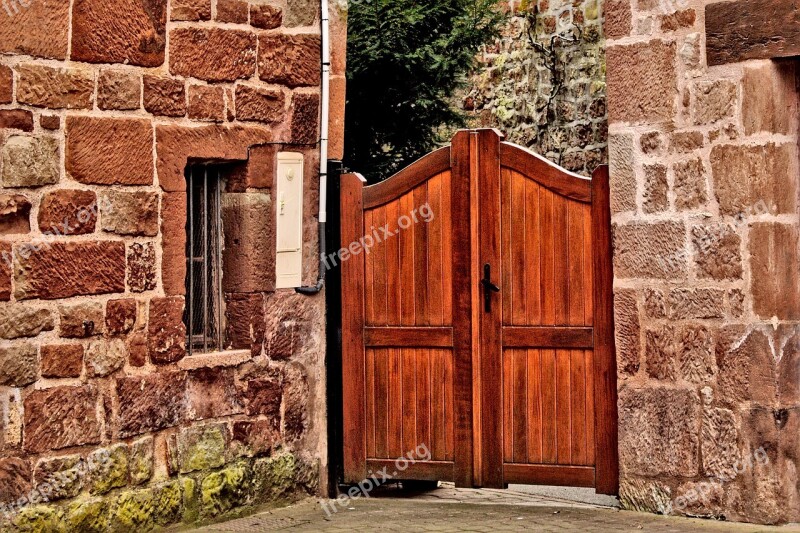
x=39, y=29
x=223, y=490
x=81, y=320
x=263, y=395
x=653, y=250
x=249, y=264
x=22, y=320
x=120, y=316
x=55, y=88
x=717, y=251
x=105, y=357
x=6, y=84
x=789, y=372
x=141, y=267
x=660, y=352
x=746, y=367
x=690, y=184
x=98, y=36
x=736, y=302
x=151, y=402
x=173, y=243
x=713, y=101
x=265, y=16
x=16, y=119
x=696, y=303
x=18, y=365
x=143, y=509
x=62, y=360
x=617, y=21
x=206, y=102
x=68, y=212
x=256, y=103
x=50, y=122
x=296, y=404
x=30, y=161
x=137, y=349
x=191, y=10
x=234, y=11
x=282, y=475
x=256, y=437
x=60, y=417
x=768, y=95
x=774, y=277
x=654, y=304
x=118, y=89
x=128, y=155
x=719, y=444
x=62, y=270
x=696, y=361
x=15, y=478
x=202, y=447
x=245, y=321
x=676, y=20
x=301, y=13
x=655, y=189
x=130, y=213
x=705, y=499
x=644, y=496
x=15, y=210
x=305, y=118
x=164, y=96
x=685, y=142
x=753, y=180
x=622, y=180
x=255, y=173
x=212, y=54
x=291, y=60
x=641, y=82
x=140, y=462
x=647, y=450
x=111, y=468
x=166, y=333
x=64, y=475
x=212, y=393
x=290, y=325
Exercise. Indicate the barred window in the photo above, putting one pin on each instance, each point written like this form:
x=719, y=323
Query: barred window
x=204, y=313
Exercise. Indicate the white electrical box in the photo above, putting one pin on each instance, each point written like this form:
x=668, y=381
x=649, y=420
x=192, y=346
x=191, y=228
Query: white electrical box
x=289, y=226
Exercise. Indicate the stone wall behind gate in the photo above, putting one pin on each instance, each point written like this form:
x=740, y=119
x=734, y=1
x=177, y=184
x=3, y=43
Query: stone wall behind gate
x=704, y=170
x=106, y=422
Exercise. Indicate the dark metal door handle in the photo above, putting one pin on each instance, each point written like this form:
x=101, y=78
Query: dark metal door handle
x=488, y=288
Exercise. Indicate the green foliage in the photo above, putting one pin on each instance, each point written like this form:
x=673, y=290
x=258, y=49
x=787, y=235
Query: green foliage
x=405, y=59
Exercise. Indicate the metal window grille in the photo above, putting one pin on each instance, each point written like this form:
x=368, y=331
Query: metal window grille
x=204, y=312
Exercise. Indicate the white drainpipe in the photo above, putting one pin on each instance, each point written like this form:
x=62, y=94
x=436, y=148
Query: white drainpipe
x=323, y=146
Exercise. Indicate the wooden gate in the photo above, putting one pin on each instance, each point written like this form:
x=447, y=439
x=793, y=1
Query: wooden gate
x=477, y=321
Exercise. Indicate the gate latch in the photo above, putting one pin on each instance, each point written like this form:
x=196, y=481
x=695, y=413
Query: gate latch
x=488, y=288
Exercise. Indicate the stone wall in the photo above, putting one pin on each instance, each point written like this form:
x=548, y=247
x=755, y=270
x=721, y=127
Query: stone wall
x=549, y=96
x=704, y=170
x=106, y=422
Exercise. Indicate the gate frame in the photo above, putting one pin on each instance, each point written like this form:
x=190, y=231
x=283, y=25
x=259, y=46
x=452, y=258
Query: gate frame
x=474, y=153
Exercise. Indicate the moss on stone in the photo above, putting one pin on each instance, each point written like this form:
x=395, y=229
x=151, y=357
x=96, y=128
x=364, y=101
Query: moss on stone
x=274, y=477
x=191, y=503
x=134, y=511
x=202, y=448
x=140, y=464
x=88, y=516
x=39, y=519
x=169, y=501
x=222, y=491
x=112, y=469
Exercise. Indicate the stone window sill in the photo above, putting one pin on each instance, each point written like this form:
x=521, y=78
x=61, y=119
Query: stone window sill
x=212, y=359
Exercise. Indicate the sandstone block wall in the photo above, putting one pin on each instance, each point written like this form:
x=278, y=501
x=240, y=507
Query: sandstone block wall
x=551, y=100
x=704, y=169
x=105, y=422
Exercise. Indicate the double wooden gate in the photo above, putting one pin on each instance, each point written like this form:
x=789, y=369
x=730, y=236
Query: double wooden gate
x=477, y=321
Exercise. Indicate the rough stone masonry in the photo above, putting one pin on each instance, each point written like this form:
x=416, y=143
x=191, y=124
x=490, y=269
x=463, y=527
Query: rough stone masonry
x=106, y=423
x=704, y=171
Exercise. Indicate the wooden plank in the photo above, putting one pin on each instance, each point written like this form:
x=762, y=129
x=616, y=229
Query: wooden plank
x=408, y=283
x=409, y=405
x=394, y=441
x=534, y=407
x=491, y=323
x=407, y=179
x=353, y=357
x=520, y=400
x=380, y=295
x=548, y=384
x=752, y=29
x=561, y=261
x=434, y=246
x=423, y=397
x=449, y=400
x=421, y=274
x=438, y=442
x=475, y=309
x=381, y=403
x=370, y=402
x=393, y=267
x=517, y=251
x=533, y=282
x=590, y=407
x=577, y=381
x=458, y=302
x=546, y=173
x=506, y=253
x=409, y=336
x=569, y=476
x=563, y=408
x=507, y=394
x=547, y=337
x=369, y=277
x=577, y=272
x=422, y=470
x=605, y=364
x=547, y=257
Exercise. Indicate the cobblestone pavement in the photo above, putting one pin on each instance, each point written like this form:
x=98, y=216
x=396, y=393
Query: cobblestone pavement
x=448, y=509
